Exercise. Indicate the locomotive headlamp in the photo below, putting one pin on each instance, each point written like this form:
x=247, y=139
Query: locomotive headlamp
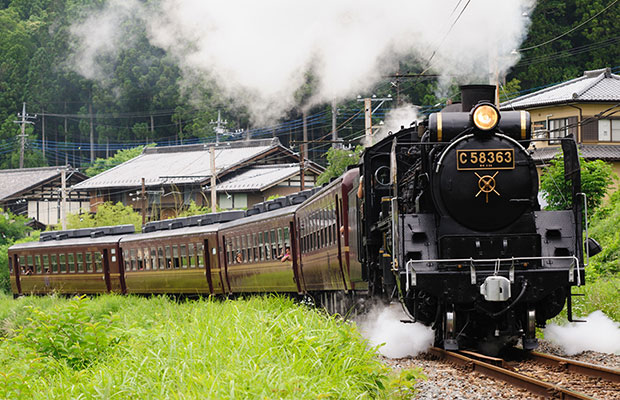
x=485, y=117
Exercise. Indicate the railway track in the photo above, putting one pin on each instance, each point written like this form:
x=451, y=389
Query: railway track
x=532, y=371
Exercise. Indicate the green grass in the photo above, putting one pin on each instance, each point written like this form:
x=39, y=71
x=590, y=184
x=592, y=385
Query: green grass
x=114, y=347
x=602, y=293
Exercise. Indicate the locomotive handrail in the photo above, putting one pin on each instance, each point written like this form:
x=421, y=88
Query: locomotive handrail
x=409, y=264
x=585, y=209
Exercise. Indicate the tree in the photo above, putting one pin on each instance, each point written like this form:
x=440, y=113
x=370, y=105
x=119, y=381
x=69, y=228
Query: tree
x=604, y=228
x=12, y=227
x=103, y=164
x=337, y=162
x=194, y=209
x=108, y=214
x=596, y=177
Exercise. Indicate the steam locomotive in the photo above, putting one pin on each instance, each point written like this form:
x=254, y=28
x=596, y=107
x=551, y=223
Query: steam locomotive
x=442, y=216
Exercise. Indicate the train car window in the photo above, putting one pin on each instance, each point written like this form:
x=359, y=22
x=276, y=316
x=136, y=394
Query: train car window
x=154, y=259
x=89, y=262
x=98, y=262
x=286, y=236
x=168, y=257
x=148, y=261
x=37, y=264
x=228, y=252
x=22, y=263
x=175, y=257
x=274, y=250
x=280, y=243
x=10, y=265
x=126, y=258
x=162, y=261
x=191, y=254
x=200, y=250
x=250, y=248
x=255, y=246
x=80, y=262
x=54, y=263
x=132, y=258
x=244, y=247
x=141, y=260
x=184, y=256
x=71, y=262
x=46, y=263
x=62, y=260
x=260, y=246
x=267, y=247
x=30, y=266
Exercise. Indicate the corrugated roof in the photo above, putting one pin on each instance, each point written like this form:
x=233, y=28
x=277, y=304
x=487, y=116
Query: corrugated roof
x=13, y=181
x=178, y=164
x=594, y=86
x=260, y=177
x=605, y=152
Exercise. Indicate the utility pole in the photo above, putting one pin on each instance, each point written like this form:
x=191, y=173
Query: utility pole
x=66, y=152
x=43, y=131
x=219, y=126
x=92, y=133
x=303, y=151
x=24, y=120
x=143, y=203
x=334, y=127
x=213, y=179
x=368, y=114
x=63, y=197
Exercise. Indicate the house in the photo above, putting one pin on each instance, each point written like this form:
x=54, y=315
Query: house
x=36, y=193
x=247, y=172
x=588, y=107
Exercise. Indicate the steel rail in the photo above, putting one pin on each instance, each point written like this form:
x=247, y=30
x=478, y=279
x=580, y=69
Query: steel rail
x=577, y=367
x=533, y=385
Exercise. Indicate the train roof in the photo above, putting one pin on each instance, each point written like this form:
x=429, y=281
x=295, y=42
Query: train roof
x=190, y=230
x=111, y=239
x=262, y=216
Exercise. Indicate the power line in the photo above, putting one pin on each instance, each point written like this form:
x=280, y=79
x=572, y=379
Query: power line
x=570, y=30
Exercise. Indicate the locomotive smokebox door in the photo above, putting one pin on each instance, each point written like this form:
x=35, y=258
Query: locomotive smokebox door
x=495, y=288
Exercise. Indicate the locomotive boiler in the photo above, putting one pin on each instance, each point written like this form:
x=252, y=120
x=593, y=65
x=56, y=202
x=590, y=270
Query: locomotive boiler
x=452, y=226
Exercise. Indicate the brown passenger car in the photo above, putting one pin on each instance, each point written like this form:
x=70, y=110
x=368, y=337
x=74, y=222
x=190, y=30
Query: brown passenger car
x=182, y=260
x=255, y=255
x=81, y=265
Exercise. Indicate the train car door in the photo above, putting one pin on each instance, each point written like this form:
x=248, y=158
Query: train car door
x=296, y=265
x=207, y=257
x=224, y=263
x=16, y=266
x=341, y=243
x=106, y=273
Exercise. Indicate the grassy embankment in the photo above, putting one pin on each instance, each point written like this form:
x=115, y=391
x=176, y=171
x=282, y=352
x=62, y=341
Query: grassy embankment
x=116, y=347
x=602, y=289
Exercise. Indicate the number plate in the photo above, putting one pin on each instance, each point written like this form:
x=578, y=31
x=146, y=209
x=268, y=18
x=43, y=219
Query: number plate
x=485, y=159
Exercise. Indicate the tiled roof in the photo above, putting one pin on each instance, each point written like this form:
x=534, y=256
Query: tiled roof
x=259, y=178
x=605, y=152
x=183, y=164
x=15, y=181
x=594, y=86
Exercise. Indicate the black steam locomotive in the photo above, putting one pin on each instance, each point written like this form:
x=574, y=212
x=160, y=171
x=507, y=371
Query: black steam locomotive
x=451, y=224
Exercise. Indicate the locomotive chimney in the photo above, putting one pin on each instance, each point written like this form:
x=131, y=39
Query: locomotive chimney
x=473, y=94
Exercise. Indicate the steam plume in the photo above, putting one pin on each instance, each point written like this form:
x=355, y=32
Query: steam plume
x=599, y=333
x=260, y=53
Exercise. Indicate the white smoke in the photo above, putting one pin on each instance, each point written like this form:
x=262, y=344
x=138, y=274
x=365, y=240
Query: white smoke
x=382, y=325
x=259, y=53
x=396, y=118
x=598, y=334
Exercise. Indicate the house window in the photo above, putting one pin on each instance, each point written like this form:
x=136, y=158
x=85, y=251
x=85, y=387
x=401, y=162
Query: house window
x=233, y=200
x=609, y=130
x=557, y=128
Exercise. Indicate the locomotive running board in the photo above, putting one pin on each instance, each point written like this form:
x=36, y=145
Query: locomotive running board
x=411, y=279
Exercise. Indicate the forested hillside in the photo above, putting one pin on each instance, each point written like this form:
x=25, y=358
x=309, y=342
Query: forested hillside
x=140, y=102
